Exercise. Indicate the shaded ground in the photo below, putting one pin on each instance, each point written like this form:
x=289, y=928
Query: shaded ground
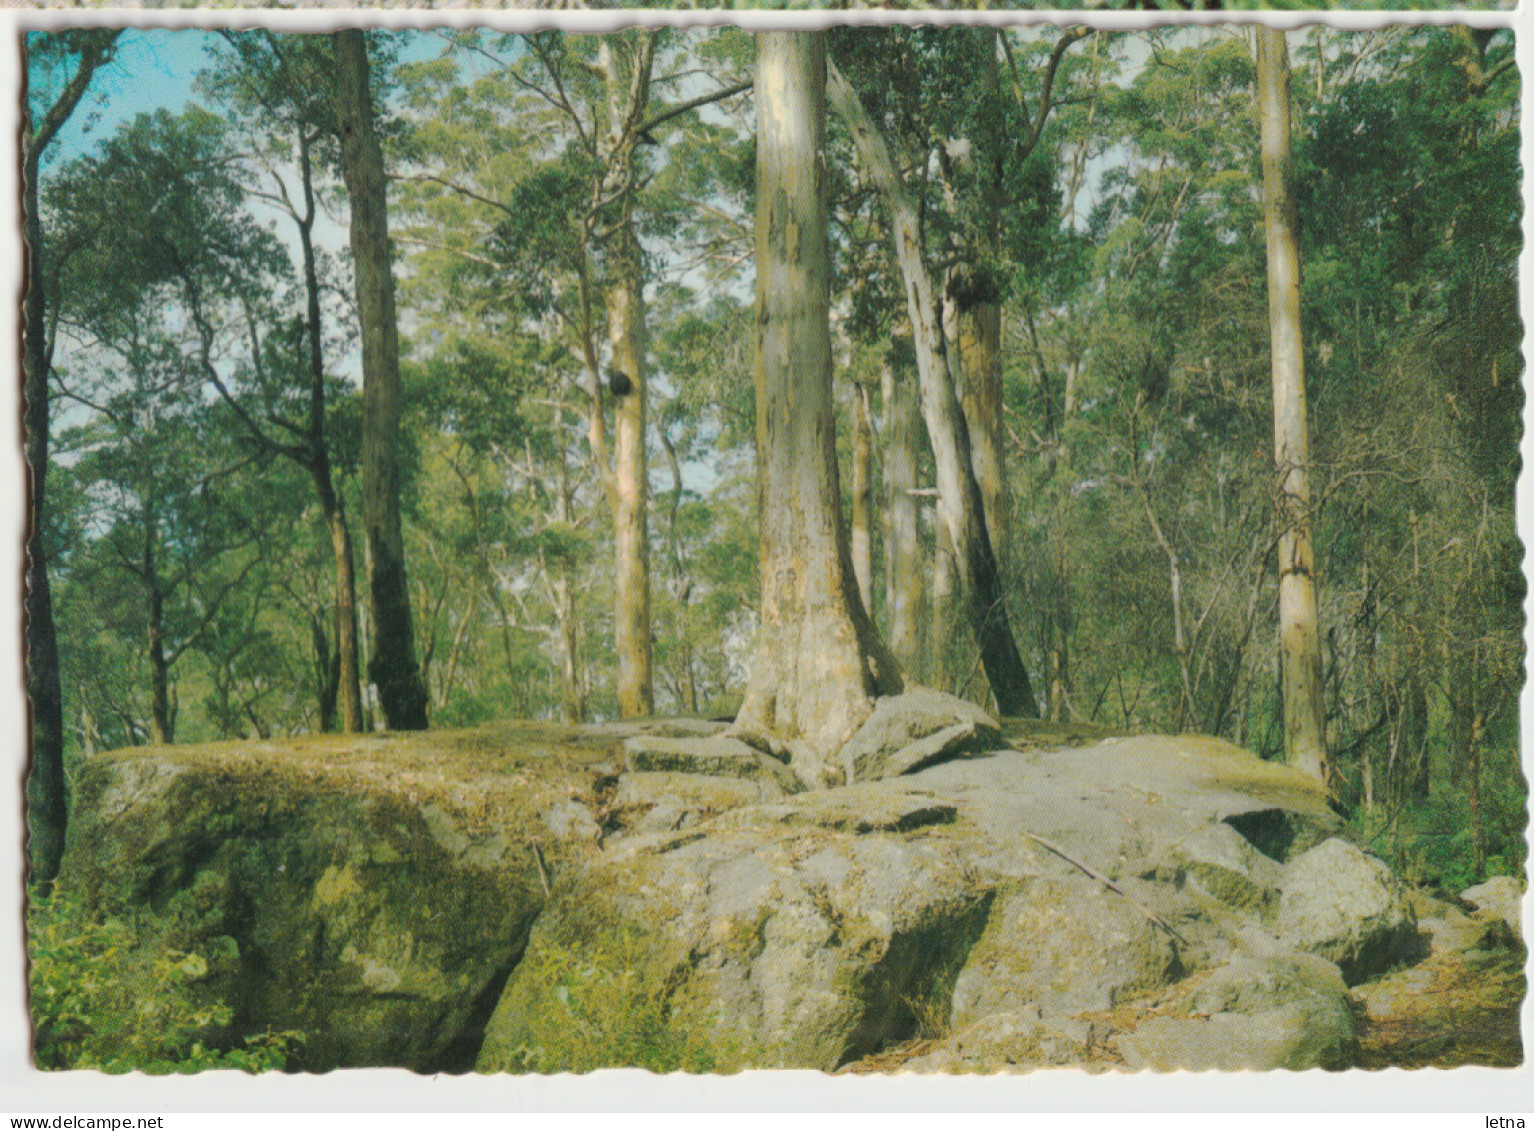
x=1451, y=1010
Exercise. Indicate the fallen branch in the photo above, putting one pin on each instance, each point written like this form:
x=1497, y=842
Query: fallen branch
x=1109, y=884
x=543, y=869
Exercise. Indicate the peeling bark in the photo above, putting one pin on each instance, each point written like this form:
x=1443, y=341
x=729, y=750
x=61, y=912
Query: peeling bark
x=1298, y=634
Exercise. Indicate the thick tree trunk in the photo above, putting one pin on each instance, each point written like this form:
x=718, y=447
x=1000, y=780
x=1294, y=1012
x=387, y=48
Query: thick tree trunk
x=1298, y=639
x=393, y=670
x=862, y=497
x=819, y=662
x=960, y=504
x=905, y=589
x=626, y=334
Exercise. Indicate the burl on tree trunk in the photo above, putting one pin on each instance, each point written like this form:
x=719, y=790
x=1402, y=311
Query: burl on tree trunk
x=819, y=662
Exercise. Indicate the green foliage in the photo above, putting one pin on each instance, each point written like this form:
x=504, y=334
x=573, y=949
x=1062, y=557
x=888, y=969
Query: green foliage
x=607, y=1013
x=102, y=1000
x=1430, y=842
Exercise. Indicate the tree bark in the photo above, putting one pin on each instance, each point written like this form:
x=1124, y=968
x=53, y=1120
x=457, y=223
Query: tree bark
x=979, y=321
x=47, y=794
x=162, y=723
x=905, y=589
x=349, y=676
x=819, y=661
x=393, y=670
x=961, y=506
x=626, y=334
x=980, y=356
x=626, y=81
x=940, y=627
x=862, y=497
x=47, y=805
x=1298, y=634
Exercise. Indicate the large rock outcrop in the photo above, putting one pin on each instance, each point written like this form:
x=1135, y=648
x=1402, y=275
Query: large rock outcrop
x=371, y=892
x=498, y=898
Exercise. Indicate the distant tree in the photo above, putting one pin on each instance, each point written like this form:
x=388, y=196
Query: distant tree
x=280, y=88
x=961, y=501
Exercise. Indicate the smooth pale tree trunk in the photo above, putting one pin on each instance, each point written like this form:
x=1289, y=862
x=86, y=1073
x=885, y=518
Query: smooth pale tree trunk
x=1298, y=635
x=961, y=507
x=625, y=64
x=940, y=626
x=393, y=669
x=626, y=336
x=905, y=588
x=46, y=791
x=819, y=662
x=862, y=497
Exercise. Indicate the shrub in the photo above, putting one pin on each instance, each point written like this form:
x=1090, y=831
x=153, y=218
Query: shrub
x=102, y=1000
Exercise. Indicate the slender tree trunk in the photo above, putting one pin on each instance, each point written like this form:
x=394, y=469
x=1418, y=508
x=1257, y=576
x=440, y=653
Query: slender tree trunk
x=626, y=334
x=819, y=662
x=979, y=315
x=162, y=722
x=348, y=675
x=862, y=497
x=349, y=678
x=961, y=506
x=393, y=670
x=1299, y=639
x=940, y=625
x=562, y=589
x=46, y=792
x=327, y=673
x=47, y=805
x=905, y=590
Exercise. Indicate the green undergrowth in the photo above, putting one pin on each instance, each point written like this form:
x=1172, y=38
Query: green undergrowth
x=604, y=1010
x=1430, y=843
x=100, y=999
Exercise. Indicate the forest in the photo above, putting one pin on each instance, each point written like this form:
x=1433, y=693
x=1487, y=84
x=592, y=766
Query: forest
x=1047, y=242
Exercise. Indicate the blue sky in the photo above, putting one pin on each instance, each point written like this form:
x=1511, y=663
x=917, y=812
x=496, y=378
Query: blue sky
x=154, y=68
